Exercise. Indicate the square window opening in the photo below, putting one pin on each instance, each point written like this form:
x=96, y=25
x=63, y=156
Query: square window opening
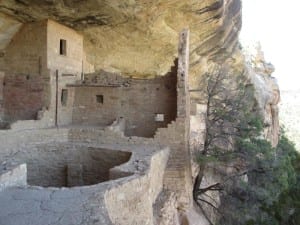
x=159, y=117
x=63, y=47
x=99, y=99
x=64, y=97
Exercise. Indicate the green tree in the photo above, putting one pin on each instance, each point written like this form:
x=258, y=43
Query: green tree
x=230, y=117
x=270, y=194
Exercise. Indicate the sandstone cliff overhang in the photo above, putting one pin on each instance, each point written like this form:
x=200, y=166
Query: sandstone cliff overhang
x=137, y=38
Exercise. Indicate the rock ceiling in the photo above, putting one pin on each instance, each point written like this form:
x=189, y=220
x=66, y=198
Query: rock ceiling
x=136, y=37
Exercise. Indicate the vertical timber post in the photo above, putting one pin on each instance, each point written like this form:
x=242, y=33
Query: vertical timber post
x=82, y=73
x=40, y=66
x=56, y=97
x=2, y=77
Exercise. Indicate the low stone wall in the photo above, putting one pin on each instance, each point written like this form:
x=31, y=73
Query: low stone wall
x=45, y=120
x=13, y=141
x=177, y=178
x=131, y=202
x=108, y=203
x=16, y=176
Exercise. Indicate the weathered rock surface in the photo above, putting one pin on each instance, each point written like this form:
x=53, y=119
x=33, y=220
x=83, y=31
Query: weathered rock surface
x=8, y=27
x=266, y=91
x=137, y=38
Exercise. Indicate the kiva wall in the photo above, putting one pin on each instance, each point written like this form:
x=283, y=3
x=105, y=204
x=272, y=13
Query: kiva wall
x=68, y=165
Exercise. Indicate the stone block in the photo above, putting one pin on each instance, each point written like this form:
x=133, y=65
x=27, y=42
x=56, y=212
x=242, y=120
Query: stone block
x=14, y=176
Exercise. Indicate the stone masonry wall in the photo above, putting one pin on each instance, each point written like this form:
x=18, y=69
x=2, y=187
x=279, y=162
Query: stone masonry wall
x=25, y=83
x=67, y=165
x=64, y=109
x=30, y=72
x=178, y=177
x=68, y=67
x=150, y=176
x=23, y=97
x=138, y=101
x=87, y=111
x=105, y=203
x=72, y=62
x=26, y=53
x=126, y=206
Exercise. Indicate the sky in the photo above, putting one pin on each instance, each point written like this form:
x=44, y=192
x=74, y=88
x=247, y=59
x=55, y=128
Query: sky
x=276, y=24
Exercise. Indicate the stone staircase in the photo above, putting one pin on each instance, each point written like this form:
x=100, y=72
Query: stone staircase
x=175, y=178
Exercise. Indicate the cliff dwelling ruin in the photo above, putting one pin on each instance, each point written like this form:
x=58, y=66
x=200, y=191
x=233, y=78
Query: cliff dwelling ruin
x=52, y=77
x=103, y=109
x=99, y=144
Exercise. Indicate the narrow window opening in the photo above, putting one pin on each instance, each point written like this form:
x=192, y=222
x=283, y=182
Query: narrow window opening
x=159, y=117
x=99, y=99
x=63, y=47
x=64, y=97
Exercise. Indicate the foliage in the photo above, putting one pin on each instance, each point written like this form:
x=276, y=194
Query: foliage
x=270, y=195
x=286, y=209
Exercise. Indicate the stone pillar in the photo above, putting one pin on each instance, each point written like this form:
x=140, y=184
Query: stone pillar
x=183, y=112
x=178, y=178
x=183, y=97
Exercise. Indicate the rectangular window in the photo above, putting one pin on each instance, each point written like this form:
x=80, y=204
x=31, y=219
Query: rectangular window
x=99, y=99
x=63, y=47
x=64, y=97
x=159, y=117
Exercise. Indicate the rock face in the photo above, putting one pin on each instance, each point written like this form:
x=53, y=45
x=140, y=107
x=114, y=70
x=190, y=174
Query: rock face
x=267, y=93
x=138, y=38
